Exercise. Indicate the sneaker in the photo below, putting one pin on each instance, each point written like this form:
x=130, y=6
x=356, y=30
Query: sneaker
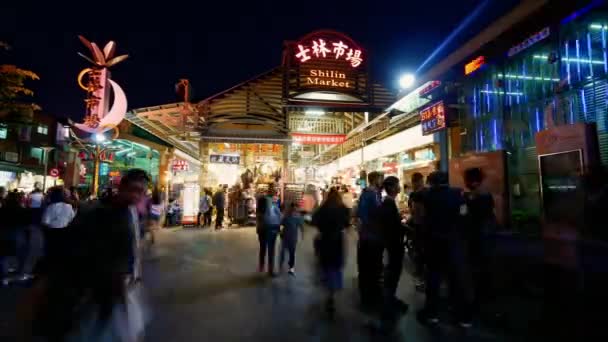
x=292, y=271
x=6, y=282
x=424, y=318
x=465, y=324
x=25, y=277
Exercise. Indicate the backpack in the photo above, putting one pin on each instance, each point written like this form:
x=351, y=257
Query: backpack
x=272, y=214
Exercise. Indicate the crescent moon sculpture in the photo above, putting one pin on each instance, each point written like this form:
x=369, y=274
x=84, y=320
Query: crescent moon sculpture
x=114, y=116
x=100, y=115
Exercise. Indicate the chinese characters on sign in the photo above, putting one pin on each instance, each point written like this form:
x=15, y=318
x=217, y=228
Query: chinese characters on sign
x=474, y=65
x=318, y=139
x=432, y=118
x=180, y=165
x=224, y=159
x=533, y=39
x=325, y=49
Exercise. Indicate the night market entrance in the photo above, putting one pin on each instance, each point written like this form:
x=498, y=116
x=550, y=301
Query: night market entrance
x=280, y=125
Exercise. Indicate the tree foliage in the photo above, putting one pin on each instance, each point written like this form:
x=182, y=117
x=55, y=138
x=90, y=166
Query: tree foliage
x=13, y=90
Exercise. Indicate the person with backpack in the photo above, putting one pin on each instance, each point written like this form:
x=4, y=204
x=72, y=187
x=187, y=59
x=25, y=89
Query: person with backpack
x=268, y=226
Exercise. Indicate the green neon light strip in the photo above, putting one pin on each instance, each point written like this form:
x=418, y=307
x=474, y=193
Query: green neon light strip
x=573, y=60
x=530, y=78
x=501, y=93
x=597, y=26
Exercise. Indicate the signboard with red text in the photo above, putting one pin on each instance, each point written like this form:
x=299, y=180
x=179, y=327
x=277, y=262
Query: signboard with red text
x=433, y=118
x=180, y=165
x=318, y=139
x=327, y=61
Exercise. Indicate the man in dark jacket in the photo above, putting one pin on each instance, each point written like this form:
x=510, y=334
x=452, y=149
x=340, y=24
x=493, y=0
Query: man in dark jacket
x=444, y=208
x=219, y=201
x=369, y=248
x=393, y=234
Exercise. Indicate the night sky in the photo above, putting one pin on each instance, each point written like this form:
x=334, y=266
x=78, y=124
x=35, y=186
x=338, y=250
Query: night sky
x=216, y=44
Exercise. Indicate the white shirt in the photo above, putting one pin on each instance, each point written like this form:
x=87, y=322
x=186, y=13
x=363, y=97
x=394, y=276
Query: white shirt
x=36, y=199
x=58, y=215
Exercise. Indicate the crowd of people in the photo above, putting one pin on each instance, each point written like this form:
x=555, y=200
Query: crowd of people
x=101, y=241
x=446, y=226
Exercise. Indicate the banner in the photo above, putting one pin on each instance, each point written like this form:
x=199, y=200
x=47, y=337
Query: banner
x=224, y=159
x=318, y=139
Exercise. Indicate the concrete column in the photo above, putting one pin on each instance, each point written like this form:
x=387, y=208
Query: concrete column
x=203, y=148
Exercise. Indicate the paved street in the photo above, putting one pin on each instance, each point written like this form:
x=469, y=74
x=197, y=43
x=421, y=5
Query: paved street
x=203, y=287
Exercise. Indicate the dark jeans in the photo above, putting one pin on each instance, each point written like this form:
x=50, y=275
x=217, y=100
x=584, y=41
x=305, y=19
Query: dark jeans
x=393, y=270
x=288, y=246
x=56, y=244
x=268, y=238
x=219, y=217
x=207, y=218
x=446, y=260
x=370, y=266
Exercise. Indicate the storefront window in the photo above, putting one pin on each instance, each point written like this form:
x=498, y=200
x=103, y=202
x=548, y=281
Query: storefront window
x=482, y=118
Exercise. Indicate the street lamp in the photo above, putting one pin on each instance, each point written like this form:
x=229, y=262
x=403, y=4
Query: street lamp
x=406, y=81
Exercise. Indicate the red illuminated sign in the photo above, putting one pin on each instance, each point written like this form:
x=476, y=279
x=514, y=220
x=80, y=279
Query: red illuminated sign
x=474, y=65
x=318, y=139
x=54, y=172
x=324, y=48
x=180, y=165
x=432, y=118
x=430, y=87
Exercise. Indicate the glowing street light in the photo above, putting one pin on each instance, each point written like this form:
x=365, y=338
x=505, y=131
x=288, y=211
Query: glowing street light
x=406, y=81
x=99, y=137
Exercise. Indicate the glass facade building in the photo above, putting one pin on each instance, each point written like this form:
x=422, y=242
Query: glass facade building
x=560, y=79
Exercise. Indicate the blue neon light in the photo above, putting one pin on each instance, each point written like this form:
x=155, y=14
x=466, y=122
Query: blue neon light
x=578, y=59
x=582, y=11
x=571, y=112
x=604, y=49
x=590, y=54
x=495, y=133
x=584, y=103
x=488, y=97
x=537, y=116
x=474, y=102
x=567, y=63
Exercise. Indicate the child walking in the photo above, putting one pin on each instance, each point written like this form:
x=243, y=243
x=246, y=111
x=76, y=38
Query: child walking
x=292, y=222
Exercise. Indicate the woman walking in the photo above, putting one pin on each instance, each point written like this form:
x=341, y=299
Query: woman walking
x=331, y=219
x=55, y=219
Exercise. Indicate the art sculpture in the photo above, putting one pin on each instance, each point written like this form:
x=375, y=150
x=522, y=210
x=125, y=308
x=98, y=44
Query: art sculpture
x=96, y=81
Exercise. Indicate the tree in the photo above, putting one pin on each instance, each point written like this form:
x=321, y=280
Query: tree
x=13, y=91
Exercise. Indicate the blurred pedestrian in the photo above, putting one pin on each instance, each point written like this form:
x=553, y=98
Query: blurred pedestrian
x=445, y=251
x=209, y=212
x=268, y=220
x=331, y=219
x=55, y=220
x=292, y=222
x=15, y=219
x=416, y=224
x=480, y=223
x=3, y=194
x=369, y=247
x=89, y=296
x=393, y=233
x=204, y=206
x=35, y=202
x=219, y=201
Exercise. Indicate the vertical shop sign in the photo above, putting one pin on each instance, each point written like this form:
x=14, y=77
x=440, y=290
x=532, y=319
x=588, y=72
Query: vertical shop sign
x=432, y=118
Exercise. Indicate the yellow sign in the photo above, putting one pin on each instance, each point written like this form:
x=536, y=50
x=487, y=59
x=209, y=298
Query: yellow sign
x=330, y=78
x=474, y=65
